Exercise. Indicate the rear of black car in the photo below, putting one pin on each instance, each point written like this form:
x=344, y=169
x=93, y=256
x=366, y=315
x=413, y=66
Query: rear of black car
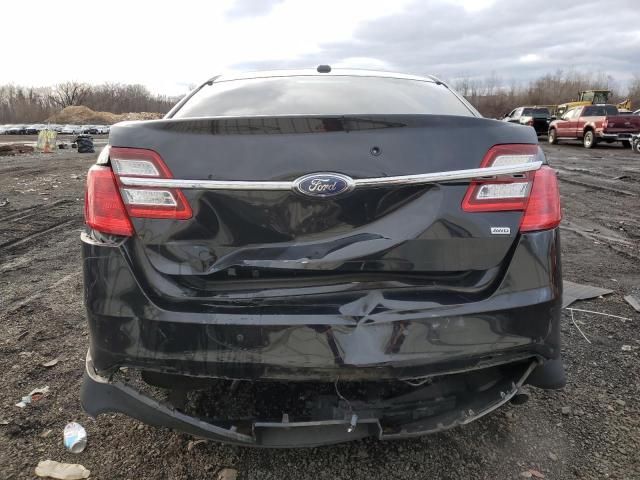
x=538, y=118
x=365, y=233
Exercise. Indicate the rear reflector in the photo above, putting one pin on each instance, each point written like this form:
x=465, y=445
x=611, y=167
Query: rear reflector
x=103, y=207
x=148, y=202
x=535, y=193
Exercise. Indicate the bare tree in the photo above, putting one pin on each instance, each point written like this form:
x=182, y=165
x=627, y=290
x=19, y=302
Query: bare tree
x=69, y=93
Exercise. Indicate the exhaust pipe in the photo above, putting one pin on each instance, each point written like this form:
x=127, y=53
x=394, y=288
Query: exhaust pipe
x=521, y=397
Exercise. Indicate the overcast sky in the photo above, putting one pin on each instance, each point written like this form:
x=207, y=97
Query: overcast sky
x=169, y=45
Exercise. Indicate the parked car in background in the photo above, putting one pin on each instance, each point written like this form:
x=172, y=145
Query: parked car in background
x=593, y=124
x=95, y=129
x=327, y=227
x=71, y=130
x=16, y=129
x=34, y=129
x=3, y=129
x=536, y=117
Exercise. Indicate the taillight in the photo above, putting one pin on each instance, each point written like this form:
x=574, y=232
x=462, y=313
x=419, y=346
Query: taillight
x=535, y=193
x=109, y=204
x=103, y=207
x=147, y=202
x=543, y=210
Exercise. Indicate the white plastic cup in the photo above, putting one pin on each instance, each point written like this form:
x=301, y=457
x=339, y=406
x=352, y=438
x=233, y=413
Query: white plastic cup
x=75, y=437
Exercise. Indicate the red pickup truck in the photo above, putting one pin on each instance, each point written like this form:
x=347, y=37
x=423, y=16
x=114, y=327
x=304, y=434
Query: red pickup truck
x=593, y=124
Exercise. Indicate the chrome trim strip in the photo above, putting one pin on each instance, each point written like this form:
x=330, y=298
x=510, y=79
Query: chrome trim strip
x=419, y=179
x=448, y=176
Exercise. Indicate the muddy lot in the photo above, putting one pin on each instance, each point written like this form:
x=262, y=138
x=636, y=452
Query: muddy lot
x=41, y=313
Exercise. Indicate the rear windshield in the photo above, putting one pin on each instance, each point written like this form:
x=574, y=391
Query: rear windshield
x=535, y=111
x=599, y=111
x=322, y=95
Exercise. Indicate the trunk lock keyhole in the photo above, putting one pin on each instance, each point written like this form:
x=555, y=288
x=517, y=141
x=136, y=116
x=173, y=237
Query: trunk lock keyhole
x=375, y=151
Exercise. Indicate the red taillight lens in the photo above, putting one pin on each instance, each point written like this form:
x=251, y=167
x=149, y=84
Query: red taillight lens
x=543, y=210
x=535, y=193
x=147, y=202
x=103, y=208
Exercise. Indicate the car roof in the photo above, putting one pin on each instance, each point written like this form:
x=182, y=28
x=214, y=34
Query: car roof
x=335, y=72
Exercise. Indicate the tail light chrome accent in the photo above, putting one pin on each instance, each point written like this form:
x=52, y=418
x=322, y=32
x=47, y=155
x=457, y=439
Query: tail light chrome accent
x=401, y=180
x=148, y=202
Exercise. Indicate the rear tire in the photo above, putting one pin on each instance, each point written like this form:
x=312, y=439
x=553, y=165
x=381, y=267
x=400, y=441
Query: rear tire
x=636, y=145
x=626, y=144
x=589, y=139
x=553, y=137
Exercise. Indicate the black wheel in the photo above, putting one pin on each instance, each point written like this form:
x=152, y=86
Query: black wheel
x=626, y=144
x=553, y=137
x=589, y=139
x=636, y=145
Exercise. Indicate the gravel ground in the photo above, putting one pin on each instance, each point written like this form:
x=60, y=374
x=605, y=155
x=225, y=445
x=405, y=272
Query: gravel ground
x=590, y=430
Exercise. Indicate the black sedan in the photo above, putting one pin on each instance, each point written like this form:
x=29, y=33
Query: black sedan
x=365, y=236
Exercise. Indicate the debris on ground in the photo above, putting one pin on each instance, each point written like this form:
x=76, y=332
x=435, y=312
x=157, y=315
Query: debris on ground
x=626, y=319
x=631, y=300
x=50, y=363
x=566, y=410
x=572, y=292
x=193, y=443
x=575, y=324
x=33, y=396
x=627, y=348
x=227, y=474
x=61, y=471
x=14, y=149
x=75, y=437
x=4, y=202
x=85, y=144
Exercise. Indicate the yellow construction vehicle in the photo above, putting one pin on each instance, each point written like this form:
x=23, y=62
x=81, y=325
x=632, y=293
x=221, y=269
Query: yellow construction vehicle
x=591, y=97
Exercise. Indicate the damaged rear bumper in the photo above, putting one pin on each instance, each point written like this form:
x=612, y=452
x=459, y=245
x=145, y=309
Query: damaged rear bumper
x=339, y=423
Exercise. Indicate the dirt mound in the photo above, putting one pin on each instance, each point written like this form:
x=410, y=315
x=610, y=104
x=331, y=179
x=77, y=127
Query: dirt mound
x=81, y=115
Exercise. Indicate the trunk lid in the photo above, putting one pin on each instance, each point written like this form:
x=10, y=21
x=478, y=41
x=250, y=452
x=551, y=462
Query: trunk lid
x=418, y=231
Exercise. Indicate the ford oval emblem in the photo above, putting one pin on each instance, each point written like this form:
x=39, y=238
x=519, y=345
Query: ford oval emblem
x=323, y=184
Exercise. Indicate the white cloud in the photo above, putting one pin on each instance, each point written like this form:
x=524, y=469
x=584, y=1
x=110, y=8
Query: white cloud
x=164, y=47
x=530, y=58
